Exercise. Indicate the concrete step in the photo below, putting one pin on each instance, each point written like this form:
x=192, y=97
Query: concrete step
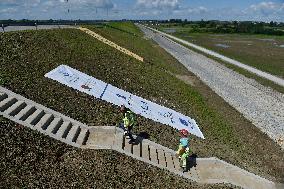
x=54, y=126
x=3, y=96
x=63, y=130
x=153, y=154
x=6, y=103
x=73, y=133
x=127, y=146
x=145, y=151
x=15, y=108
x=25, y=113
x=161, y=157
x=136, y=149
x=44, y=122
x=35, y=117
x=169, y=160
x=83, y=136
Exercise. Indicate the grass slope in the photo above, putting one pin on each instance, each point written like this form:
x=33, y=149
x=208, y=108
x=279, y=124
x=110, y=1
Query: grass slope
x=27, y=56
x=28, y=160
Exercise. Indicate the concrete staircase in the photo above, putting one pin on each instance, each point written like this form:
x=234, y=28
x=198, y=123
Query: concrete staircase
x=72, y=132
x=42, y=119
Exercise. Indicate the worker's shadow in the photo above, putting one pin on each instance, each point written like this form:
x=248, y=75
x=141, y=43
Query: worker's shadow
x=140, y=137
x=191, y=161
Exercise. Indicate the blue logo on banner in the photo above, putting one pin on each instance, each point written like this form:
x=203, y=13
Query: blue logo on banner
x=168, y=115
x=121, y=96
x=144, y=105
x=184, y=122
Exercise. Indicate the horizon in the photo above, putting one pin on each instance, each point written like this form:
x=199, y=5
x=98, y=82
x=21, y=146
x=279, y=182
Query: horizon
x=250, y=10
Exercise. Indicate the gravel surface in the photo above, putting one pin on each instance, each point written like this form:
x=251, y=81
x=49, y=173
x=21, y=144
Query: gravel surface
x=39, y=27
x=261, y=105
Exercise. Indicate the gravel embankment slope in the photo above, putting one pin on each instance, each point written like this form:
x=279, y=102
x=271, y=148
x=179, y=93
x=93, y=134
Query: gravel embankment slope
x=31, y=160
x=262, y=106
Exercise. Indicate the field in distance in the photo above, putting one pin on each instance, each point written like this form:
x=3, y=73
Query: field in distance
x=264, y=52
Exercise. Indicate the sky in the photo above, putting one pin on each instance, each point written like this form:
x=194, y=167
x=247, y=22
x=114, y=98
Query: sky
x=255, y=10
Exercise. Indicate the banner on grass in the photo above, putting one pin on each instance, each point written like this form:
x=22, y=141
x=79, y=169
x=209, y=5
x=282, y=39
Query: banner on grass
x=99, y=89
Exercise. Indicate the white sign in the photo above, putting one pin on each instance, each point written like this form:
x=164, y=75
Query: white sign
x=99, y=89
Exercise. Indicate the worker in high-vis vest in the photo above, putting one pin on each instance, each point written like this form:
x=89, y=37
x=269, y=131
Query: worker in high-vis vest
x=183, y=151
x=129, y=121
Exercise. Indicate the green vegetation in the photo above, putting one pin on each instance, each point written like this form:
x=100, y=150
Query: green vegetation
x=215, y=26
x=27, y=56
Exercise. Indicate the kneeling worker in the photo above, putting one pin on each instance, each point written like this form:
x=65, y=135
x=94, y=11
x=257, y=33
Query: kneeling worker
x=183, y=149
x=129, y=121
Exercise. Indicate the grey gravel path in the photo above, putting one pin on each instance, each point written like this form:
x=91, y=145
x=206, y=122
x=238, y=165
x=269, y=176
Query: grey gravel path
x=261, y=105
x=39, y=27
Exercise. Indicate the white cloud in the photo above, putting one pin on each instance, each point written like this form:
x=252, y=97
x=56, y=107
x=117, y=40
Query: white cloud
x=92, y=3
x=8, y=10
x=158, y=4
x=267, y=8
x=19, y=2
x=197, y=10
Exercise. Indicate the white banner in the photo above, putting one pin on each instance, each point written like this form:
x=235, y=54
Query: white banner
x=99, y=89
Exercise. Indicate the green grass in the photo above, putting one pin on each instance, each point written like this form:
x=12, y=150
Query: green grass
x=27, y=56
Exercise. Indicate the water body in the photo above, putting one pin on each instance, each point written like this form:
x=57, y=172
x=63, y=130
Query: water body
x=222, y=45
x=282, y=46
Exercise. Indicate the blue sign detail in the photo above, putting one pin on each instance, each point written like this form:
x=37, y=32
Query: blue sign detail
x=103, y=92
x=144, y=105
x=184, y=122
x=121, y=96
x=168, y=115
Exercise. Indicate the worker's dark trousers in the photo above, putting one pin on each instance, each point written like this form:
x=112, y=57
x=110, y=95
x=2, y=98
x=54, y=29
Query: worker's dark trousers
x=128, y=130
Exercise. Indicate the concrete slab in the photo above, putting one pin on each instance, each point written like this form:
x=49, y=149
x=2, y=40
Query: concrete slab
x=3, y=96
x=118, y=141
x=73, y=133
x=137, y=149
x=82, y=136
x=15, y=108
x=25, y=113
x=145, y=151
x=62, y=129
x=153, y=154
x=35, y=117
x=44, y=121
x=127, y=146
x=54, y=125
x=169, y=160
x=6, y=103
x=102, y=138
x=176, y=163
x=161, y=157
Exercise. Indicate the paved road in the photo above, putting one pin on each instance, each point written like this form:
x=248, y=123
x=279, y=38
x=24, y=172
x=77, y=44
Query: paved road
x=260, y=73
x=261, y=105
x=39, y=27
